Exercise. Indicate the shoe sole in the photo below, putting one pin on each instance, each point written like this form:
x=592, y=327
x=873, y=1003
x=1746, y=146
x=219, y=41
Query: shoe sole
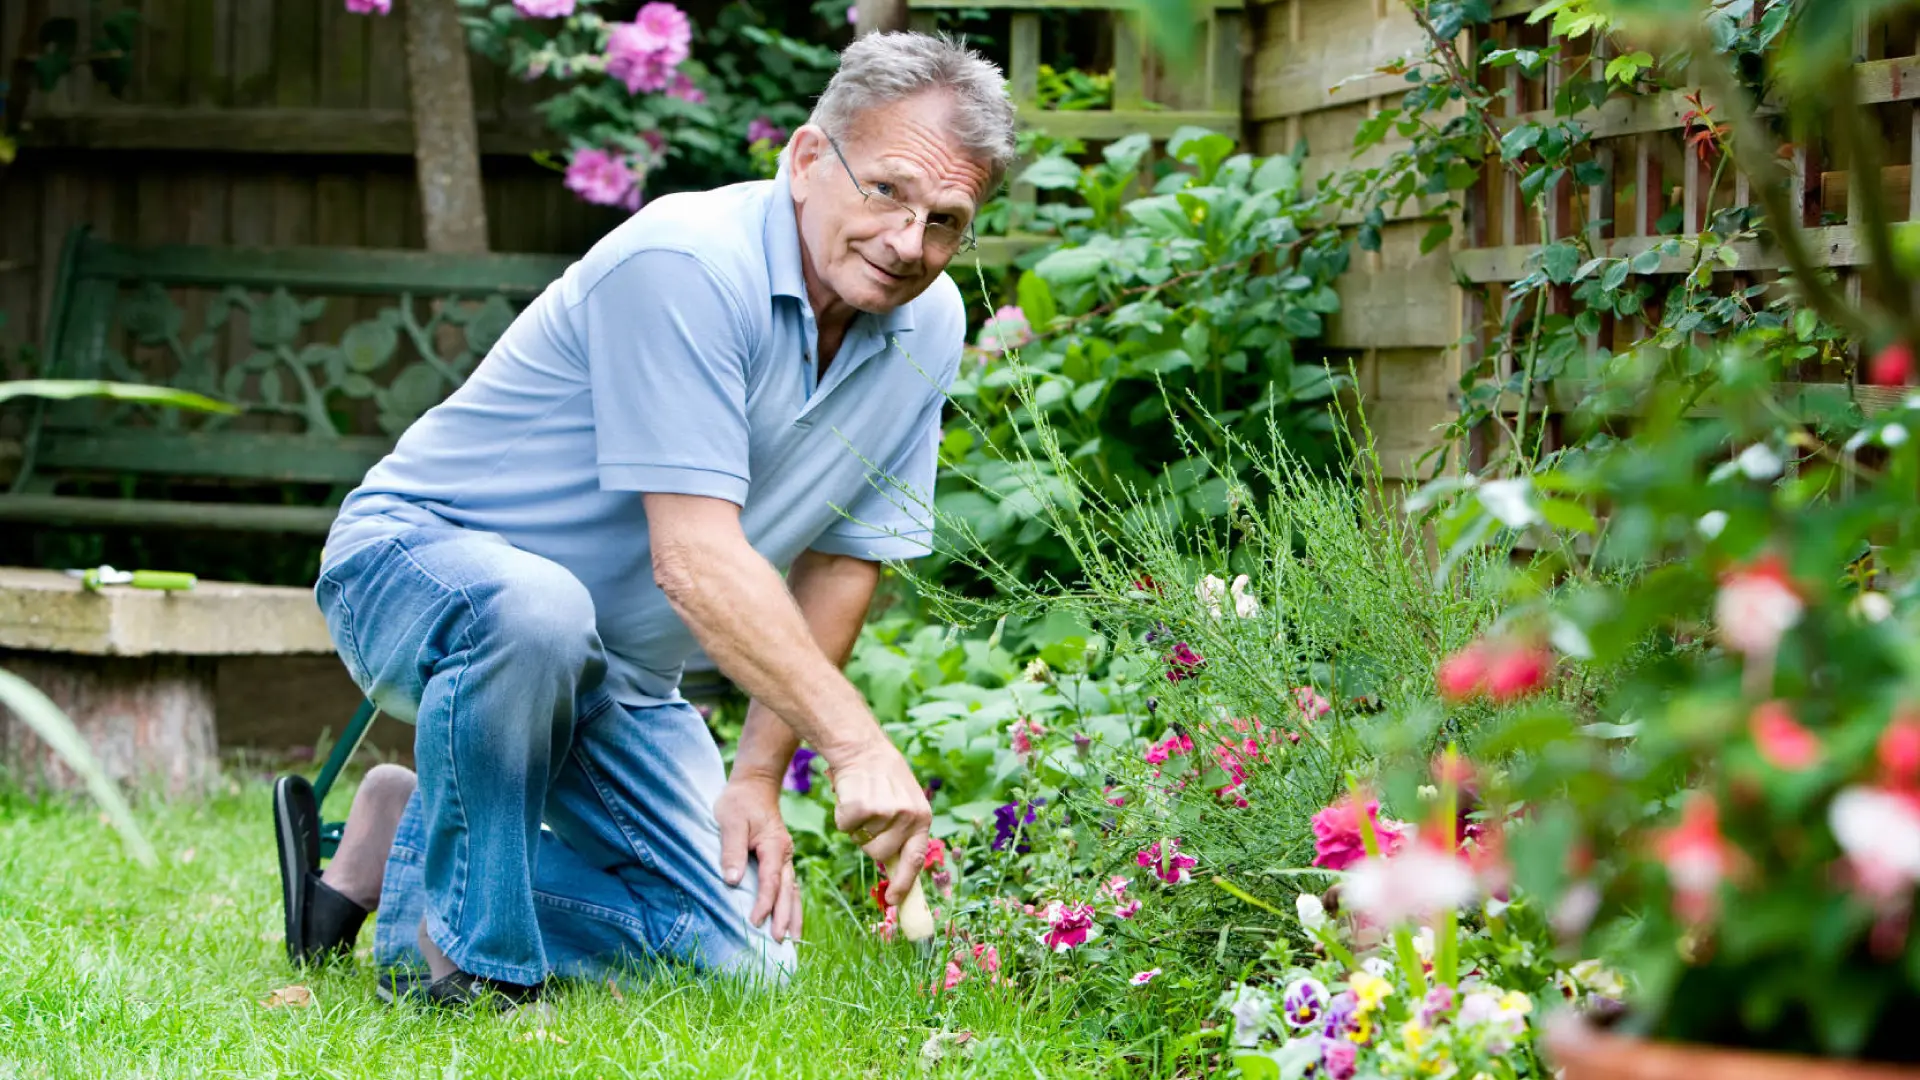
x=296, y=830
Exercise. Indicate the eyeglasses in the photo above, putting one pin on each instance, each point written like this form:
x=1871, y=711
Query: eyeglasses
x=942, y=238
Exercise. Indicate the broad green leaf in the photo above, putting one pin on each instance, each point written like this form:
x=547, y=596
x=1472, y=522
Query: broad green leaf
x=1071, y=266
x=1615, y=276
x=803, y=815
x=1161, y=215
x=1277, y=173
x=1052, y=174
x=1647, y=261
x=1036, y=301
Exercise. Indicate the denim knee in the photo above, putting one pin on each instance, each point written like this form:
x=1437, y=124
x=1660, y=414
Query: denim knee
x=542, y=625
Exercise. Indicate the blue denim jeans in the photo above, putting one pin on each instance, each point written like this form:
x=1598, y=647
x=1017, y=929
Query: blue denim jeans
x=554, y=831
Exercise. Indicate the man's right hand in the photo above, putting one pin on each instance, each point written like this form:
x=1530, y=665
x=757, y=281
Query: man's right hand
x=880, y=804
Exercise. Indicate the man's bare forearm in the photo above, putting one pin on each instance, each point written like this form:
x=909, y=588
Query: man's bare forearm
x=749, y=624
x=832, y=593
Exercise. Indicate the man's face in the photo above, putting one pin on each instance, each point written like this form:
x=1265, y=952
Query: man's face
x=857, y=252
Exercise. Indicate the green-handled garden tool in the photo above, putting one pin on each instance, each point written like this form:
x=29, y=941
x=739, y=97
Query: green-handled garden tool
x=165, y=580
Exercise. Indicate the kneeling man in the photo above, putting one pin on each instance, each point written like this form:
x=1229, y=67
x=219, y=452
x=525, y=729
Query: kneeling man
x=732, y=384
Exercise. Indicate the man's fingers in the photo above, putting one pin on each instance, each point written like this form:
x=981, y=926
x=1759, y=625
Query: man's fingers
x=913, y=856
x=773, y=857
x=733, y=847
x=799, y=914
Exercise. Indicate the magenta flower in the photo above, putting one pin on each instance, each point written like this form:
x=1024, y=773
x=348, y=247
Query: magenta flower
x=1144, y=977
x=370, y=7
x=654, y=140
x=544, y=9
x=1068, y=925
x=1311, y=704
x=642, y=72
x=604, y=178
x=853, y=14
x=1025, y=730
x=682, y=87
x=1337, y=843
x=1127, y=910
x=1340, y=1059
x=663, y=30
x=800, y=772
x=1183, y=662
x=1175, y=869
x=1176, y=744
x=761, y=129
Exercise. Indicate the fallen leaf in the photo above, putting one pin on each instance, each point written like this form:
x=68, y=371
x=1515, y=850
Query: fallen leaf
x=614, y=989
x=291, y=996
x=540, y=1035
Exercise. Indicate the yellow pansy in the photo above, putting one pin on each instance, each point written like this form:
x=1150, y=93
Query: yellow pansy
x=1516, y=1002
x=1369, y=990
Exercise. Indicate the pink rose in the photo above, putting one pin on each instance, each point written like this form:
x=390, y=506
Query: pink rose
x=544, y=9
x=604, y=178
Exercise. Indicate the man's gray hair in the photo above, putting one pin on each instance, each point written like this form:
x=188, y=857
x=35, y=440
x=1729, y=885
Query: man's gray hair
x=878, y=70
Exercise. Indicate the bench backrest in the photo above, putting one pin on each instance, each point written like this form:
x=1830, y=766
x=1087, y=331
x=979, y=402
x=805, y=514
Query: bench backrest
x=329, y=352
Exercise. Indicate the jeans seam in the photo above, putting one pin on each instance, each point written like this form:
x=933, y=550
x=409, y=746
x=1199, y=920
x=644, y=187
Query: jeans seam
x=644, y=854
x=631, y=924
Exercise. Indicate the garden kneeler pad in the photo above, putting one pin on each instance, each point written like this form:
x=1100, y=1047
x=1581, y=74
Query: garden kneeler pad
x=321, y=923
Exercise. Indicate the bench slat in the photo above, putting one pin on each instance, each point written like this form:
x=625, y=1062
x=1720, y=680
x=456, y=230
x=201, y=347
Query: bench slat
x=241, y=455
x=240, y=517
x=323, y=270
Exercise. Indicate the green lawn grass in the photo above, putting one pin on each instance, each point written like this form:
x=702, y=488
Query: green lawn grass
x=108, y=969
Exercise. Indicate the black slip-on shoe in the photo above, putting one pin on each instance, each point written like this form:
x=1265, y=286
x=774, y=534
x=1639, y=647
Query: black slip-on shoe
x=321, y=923
x=395, y=985
x=460, y=990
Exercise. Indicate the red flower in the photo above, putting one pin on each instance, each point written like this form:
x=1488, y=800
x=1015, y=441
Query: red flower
x=1517, y=671
x=936, y=853
x=1900, y=749
x=1891, y=366
x=1183, y=662
x=1781, y=739
x=1697, y=857
x=1461, y=675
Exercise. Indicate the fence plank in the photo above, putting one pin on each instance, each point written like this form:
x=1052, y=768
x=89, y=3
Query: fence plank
x=1333, y=68
x=274, y=131
x=1832, y=245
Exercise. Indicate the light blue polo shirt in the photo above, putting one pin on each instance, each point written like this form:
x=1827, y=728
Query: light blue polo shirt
x=678, y=356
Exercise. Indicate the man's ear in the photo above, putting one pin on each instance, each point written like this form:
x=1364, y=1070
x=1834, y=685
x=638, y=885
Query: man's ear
x=804, y=151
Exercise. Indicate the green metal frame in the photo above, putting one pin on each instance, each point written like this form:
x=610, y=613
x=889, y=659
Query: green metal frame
x=343, y=751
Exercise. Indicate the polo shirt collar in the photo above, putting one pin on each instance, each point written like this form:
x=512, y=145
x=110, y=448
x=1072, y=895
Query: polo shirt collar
x=784, y=268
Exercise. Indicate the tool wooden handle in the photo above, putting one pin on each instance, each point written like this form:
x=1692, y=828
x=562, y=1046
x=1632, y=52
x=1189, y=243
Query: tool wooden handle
x=916, y=919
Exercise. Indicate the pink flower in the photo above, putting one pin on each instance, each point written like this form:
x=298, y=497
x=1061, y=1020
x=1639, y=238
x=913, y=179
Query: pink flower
x=1068, y=925
x=370, y=7
x=1183, y=662
x=1462, y=675
x=656, y=141
x=1781, y=739
x=1756, y=605
x=1025, y=730
x=604, y=178
x=642, y=72
x=1340, y=1059
x=682, y=87
x=1899, y=749
x=1517, y=670
x=761, y=129
x=1115, y=886
x=1007, y=330
x=1175, y=869
x=1158, y=753
x=987, y=957
x=664, y=30
x=1891, y=366
x=886, y=926
x=1337, y=843
x=1697, y=857
x=1311, y=705
x=853, y=14
x=1144, y=977
x=1127, y=910
x=544, y=9
x=955, y=975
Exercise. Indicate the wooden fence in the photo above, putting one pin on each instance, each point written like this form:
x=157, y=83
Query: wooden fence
x=1412, y=321
x=254, y=122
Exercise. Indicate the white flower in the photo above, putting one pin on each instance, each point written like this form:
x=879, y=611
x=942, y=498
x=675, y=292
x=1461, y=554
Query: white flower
x=1245, y=604
x=1755, y=606
x=1711, y=523
x=1511, y=501
x=1312, y=913
x=1759, y=462
x=1417, y=883
x=1595, y=977
x=1872, y=607
x=1252, y=1013
x=1211, y=590
x=1144, y=977
x=1880, y=832
x=1893, y=434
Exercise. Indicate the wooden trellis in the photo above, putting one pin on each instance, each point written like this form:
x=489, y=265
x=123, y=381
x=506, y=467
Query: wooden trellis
x=1146, y=98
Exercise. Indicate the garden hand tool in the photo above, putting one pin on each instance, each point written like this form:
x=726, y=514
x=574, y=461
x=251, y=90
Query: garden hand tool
x=166, y=580
x=916, y=920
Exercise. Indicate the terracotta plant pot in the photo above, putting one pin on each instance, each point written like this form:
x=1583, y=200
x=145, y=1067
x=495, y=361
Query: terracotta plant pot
x=1585, y=1053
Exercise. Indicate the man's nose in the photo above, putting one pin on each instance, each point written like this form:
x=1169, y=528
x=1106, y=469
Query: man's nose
x=909, y=241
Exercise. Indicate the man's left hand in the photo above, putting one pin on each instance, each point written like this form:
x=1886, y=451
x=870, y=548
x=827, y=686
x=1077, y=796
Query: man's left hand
x=749, y=813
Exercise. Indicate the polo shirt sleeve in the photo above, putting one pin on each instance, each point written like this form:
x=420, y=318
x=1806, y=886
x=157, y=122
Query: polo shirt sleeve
x=667, y=346
x=893, y=517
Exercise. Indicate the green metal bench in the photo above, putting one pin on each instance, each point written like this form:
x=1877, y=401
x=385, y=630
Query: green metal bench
x=329, y=352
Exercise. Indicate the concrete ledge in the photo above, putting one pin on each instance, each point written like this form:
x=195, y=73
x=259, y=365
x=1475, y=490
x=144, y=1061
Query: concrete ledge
x=47, y=611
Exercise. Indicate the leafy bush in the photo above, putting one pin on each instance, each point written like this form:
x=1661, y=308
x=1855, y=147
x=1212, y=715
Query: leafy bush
x=1205, y=285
